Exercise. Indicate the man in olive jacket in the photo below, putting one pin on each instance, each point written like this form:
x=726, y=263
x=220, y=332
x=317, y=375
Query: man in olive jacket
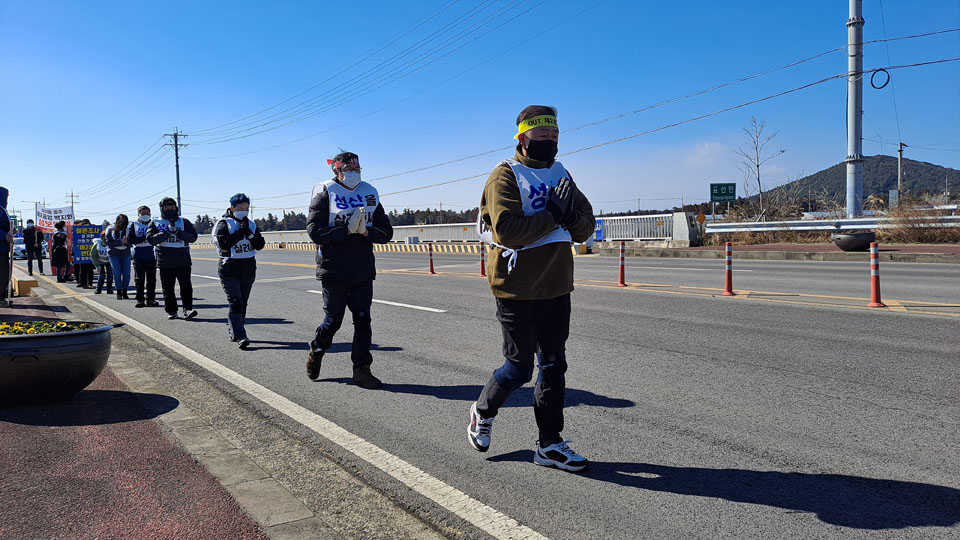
x=531, y=212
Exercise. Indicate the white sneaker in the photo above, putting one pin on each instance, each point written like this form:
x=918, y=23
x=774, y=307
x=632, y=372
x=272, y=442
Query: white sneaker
x=189, y=313
x=561, y=456
x=478, y=431
x=172, y=315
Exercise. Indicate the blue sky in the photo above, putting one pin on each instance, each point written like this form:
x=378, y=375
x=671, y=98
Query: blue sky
x=87, y=87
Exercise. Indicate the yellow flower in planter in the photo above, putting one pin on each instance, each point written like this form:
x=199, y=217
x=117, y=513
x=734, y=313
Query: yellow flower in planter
x=3, y=333
x=60, y=324
x=31, y=331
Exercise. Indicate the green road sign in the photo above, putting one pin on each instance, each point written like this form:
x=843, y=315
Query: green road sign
x=723, y=192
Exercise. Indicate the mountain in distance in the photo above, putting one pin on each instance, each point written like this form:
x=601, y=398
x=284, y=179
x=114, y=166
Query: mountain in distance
x=879, y=176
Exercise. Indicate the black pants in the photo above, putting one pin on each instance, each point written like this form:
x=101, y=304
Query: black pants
x=236, y=278
x=169, y=277
x=532, y=327
x=105, y=273
x=337, y=296
x=145, y=278
x=84, y=273
x=34, y=253
x=4, y=274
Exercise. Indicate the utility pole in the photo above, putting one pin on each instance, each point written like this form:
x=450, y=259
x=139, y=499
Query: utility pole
x=72, y=197
x=900, y=166
x=638, y=205
x=441, y=211
x=176, y=155
x=855, y=109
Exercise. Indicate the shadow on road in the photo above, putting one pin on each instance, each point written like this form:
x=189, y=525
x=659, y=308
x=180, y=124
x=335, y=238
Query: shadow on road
x=846, y=501
x=91, y=408
x=522, y=397
x=250, y=321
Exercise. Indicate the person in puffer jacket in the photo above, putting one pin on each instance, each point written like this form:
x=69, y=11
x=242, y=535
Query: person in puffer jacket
x=237, y=240
x=172, y=236
x=144, y=259
x=345, y=220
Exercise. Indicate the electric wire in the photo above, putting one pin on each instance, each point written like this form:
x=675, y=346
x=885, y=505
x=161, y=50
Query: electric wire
x=893, y=86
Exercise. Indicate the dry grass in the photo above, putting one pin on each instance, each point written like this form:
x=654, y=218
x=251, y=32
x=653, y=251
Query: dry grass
x=910, y=229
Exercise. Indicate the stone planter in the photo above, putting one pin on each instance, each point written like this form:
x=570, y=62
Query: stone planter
x=51, y=367
x=854, y=241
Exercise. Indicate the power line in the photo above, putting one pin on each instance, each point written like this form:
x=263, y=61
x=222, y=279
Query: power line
x=85, y=191
x=893, y=88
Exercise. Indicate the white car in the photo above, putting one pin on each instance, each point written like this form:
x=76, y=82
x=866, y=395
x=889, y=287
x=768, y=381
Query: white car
x=20, y=250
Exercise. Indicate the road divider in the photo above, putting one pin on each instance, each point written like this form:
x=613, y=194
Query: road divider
x=875, y=276
x=728, y=272
x=431, y=259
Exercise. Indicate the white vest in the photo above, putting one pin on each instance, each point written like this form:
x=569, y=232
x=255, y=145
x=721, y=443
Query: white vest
x=535, y=186
x=102, y=250
x=141, y=230
x=242, y=249
x=344, y=202
x=163, y=225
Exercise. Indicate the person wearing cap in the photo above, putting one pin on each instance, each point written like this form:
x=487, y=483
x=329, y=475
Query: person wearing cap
x=172, y=236
x=237, y=240
x=530, y=213
x=33, y=244
x=144, y=260
x=345, y=220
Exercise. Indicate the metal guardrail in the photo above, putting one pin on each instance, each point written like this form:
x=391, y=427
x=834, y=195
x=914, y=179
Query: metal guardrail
x=653, y=227
x=836, y=224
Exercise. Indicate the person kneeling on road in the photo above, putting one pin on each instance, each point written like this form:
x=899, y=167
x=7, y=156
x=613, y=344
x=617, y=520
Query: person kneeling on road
x=172, y=236
x=345, y=220
x=237, y=240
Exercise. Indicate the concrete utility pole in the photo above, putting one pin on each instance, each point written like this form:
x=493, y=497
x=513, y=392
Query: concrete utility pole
x=855, y=110
x=176, y=155
x=900, y=166
x=72, y=197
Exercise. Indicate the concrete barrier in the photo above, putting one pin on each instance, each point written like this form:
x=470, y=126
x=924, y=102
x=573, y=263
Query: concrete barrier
x=22, y=286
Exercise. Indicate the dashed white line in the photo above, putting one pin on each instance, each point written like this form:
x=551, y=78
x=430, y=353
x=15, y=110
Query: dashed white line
x=205, y=277
x=398, y=304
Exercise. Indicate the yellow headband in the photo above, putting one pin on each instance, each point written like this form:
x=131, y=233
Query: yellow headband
x=545, y=120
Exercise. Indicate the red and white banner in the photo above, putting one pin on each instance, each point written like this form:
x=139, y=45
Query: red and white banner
x=46, y=217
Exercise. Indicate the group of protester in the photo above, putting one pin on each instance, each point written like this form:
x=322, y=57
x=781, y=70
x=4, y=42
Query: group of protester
x=530, y=212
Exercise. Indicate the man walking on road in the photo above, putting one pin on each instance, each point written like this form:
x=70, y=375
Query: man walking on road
x=172, y=235
x=144, y=260
x=237, y=240
x=530, y=212
x=345, y=220
x=33, y=244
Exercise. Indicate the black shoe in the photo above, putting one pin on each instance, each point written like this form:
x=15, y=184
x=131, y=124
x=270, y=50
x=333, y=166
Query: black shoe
x=98, y=291
x=153, y=303
x=314, y=357
x=126, y=295
x=189, y=313
x=243, y=343
x=364, y=379
x=119, y=295
x=140, y=304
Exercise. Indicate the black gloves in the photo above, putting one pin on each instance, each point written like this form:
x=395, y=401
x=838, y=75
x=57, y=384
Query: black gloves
x=245, y=226
x=560, y=202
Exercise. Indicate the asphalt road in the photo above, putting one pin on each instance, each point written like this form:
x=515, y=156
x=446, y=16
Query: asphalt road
x=703, y=416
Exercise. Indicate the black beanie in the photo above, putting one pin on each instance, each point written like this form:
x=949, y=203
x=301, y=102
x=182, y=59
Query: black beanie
x=144, y=207
x=167, y=201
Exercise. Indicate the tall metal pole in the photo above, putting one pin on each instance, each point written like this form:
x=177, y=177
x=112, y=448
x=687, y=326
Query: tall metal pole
x=855, y=110
x=900, y=166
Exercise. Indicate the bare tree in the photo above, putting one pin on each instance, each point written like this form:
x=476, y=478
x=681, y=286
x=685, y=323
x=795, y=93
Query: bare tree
x=753, y=156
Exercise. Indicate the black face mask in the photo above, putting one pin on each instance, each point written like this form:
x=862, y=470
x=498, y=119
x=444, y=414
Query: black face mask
x=170, y=214
x=542, y=150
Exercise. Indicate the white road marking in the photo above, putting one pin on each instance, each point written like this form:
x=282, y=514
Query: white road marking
x=398, y=304
x=682, y=269
x=484, y=517
x=205, y=277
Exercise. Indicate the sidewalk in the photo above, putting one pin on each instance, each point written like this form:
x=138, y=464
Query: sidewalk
x=99, y=466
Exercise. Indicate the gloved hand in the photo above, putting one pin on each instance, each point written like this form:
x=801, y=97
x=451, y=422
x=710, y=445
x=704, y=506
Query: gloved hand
x=560, y=201
x=245, y=226
x=357, y=224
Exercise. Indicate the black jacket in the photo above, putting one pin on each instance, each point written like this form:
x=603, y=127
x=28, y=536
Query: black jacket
x=342, y=256
x=32, y=240
x=225, y=240
x=172, y=257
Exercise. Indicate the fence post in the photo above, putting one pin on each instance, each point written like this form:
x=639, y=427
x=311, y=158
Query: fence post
x=483, y=260
x=875, y=276
x=430, y=247
x=621, y=282
x=728, y=274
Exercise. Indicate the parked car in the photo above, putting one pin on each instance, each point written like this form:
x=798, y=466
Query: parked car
x=20, y=250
